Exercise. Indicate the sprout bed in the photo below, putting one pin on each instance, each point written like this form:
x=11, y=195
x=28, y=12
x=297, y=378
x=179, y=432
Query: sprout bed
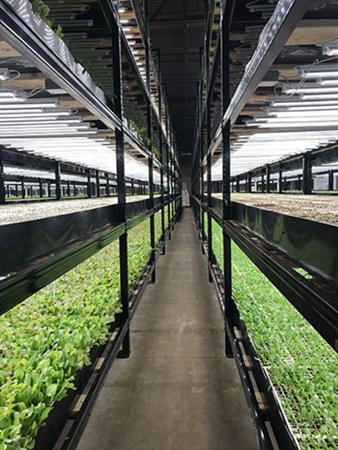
x=45, y=340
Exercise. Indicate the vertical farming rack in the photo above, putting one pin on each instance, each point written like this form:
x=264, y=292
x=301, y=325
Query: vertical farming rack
x=249, y=138
x=62, y=136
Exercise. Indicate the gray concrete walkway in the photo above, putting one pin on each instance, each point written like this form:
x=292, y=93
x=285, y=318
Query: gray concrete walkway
x=177, y=391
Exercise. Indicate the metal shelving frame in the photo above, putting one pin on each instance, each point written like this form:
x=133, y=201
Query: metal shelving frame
x=278, y=244
x=52, y=246
x=28, y=161
x=302, y=162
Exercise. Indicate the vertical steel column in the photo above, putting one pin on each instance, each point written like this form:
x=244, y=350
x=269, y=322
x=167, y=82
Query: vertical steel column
x=149, y=136
x=280, y=180
x=227, y=12
x=238, y=184
x=268, y=178
x=58, y=192
x=208, y=142
x=307, y=174
x=262, y=181
x=98, y=193
x=68, y=188
x=89, y=186
x=172, y=179
x=167, y=144
x=248, y=182
x=161, y=155
x=2, y=180
x=40, y=188
x=16, y=190
x=132, y=186
x=330, y=180
x=120, y=172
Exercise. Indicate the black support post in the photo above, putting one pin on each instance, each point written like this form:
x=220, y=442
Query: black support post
x=280, y=180
x=2, y=181
x=248, y=182
x=149, y=136
x=268, y=179
x=262, y=182
x=120, y=172
x=40, y=188
x=167, y=146
x=23, y=194
x=238, y=184
x=89, y=185
x=173, y=209
x=307, y=174
x=161, y=156
x=58, y=192
x=330, y=180
x=227, y=11
x=98, y=193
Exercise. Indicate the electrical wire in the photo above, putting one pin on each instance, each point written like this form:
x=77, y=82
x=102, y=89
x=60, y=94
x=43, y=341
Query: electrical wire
x=315, y=63
x=17, y=74
x=34, y=92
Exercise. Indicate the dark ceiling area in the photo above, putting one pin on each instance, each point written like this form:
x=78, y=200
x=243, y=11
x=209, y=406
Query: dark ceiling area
x=177, y=29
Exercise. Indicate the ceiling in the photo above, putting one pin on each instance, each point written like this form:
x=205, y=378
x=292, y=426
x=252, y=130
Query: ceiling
x=177, y=29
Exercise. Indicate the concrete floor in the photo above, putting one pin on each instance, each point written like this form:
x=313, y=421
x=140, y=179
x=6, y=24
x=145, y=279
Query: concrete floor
x=177, y=390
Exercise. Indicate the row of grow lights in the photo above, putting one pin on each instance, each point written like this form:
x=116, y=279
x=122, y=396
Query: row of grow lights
x=133, y=35
x=303, y=118
x=42, y=127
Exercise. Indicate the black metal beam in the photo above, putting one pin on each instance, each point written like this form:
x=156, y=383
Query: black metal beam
x=307, y=174
x=120, y=171
x=2, y=180
x=58, y=191
x=150, y=136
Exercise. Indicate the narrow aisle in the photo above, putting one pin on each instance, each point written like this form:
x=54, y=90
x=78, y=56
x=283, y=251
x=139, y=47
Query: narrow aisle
x=177, y=390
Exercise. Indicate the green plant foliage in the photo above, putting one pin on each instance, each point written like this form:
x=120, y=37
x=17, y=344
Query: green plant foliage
x=142, y=132
x=302, y=366
x=40, y=8
x=47, y=338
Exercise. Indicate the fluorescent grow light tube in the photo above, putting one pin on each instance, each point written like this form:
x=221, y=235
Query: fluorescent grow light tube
x=328, y=82
x=320, y=96
x=314, y=90
x=289, y=102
